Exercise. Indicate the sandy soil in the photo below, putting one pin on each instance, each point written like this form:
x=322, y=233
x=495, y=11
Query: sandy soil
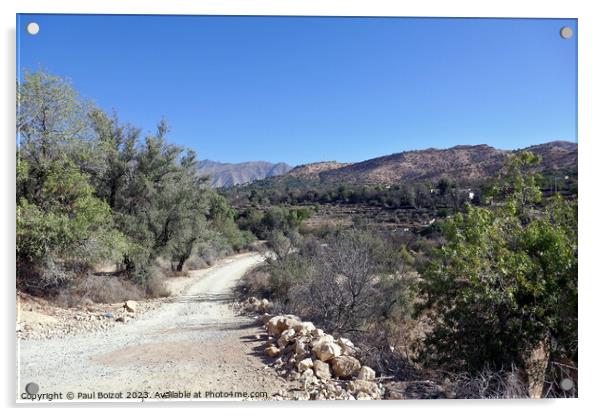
x=194, y=344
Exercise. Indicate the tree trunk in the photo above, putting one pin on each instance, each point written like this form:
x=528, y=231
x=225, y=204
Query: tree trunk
x=181, y=262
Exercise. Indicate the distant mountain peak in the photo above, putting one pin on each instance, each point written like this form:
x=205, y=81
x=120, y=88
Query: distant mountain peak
x=230, y=174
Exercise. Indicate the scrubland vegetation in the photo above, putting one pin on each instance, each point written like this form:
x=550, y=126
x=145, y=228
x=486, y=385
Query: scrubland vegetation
x=91, y=191
x=474, y=298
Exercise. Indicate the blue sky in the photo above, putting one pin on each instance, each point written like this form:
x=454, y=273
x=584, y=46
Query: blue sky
x=305, y=89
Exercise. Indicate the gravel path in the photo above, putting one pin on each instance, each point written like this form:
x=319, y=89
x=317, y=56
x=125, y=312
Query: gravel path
x=194, y=345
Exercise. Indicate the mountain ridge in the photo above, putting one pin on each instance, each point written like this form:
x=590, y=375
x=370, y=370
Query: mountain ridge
x=460, y=162
x=230, y=174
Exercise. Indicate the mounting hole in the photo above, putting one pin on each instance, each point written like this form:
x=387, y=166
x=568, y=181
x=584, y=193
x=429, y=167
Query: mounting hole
x=32, y=388
x=567, y=384
x=33, y=28
x=566, y=32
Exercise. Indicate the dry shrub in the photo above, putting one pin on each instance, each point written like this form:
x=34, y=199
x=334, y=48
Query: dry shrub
x=68, y=298
x=255, y=282
x=163, y=263
x=209, y=255
x=155, y=284
x=110, y=289
x=174, y=273
x=195, y=263
x=490, y=384
x=99, y=289
x=383, y=360
x=559, y=372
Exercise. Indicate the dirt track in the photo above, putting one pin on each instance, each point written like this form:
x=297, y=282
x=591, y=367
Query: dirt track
x=194, y=344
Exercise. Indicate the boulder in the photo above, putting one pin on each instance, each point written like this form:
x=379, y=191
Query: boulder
x=265, y=318
x=264, y=305
x=317, y=333
x=318, y=340
x=305, y=364
x=321, y=369
x=280, y=323
x=305, y=328
x=347, y=347
x=361, y=388
x=271, y=351
x=300, y=347
x=130, y=305
x=272, y=325
x=287, y=335
x=345, y=366
x=307, y=378
x=326, y=350
x=366, y=373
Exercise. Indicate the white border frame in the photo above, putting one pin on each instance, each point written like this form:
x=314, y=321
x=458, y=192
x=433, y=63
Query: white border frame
x=590, y=30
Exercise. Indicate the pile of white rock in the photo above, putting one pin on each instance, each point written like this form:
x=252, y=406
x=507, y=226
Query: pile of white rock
x=257, y=306
x=326, y=367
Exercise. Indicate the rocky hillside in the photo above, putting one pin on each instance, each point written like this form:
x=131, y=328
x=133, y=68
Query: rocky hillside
x=458, y=163
x=313, y=170
x=557, y=155
x=230, y=174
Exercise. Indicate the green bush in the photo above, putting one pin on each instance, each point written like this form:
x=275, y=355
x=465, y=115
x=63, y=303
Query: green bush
x=65, y=221
x=504, y=281
x=89, y=190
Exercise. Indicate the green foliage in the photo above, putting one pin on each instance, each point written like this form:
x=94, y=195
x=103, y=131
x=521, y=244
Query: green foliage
x=222, y=221
x=89, y=190
x=274, y=219
x=505, y=280
x=50, y=117
x=64, y=221
x=293, y=191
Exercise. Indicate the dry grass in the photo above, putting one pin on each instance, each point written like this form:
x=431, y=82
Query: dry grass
x=155, y=284
x=195, y=263
x=489, y=384
x=99, y=289
x=255, y=282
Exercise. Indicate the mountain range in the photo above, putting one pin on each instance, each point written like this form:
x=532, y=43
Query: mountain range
x=463, y=162
x=458, y=163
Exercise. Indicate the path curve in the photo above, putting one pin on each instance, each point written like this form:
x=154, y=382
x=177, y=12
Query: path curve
x=196, y=343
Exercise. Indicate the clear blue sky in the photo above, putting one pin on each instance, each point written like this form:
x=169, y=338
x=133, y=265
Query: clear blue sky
x=304, y=89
